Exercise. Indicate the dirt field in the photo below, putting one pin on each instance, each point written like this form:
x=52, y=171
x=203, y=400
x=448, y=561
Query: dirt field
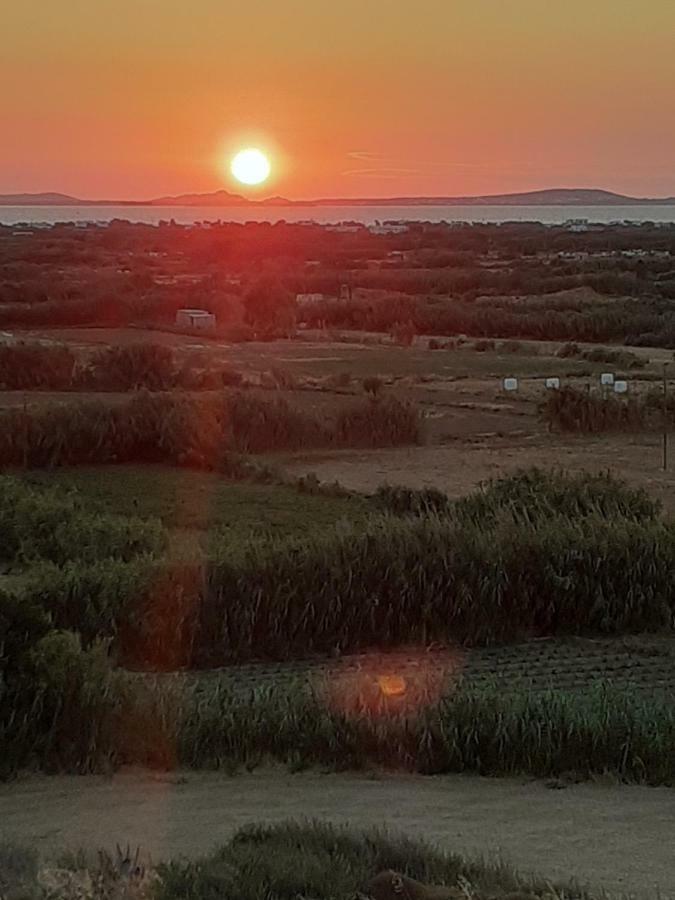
x=607, y=836
x=459, y=466
x=474, y=430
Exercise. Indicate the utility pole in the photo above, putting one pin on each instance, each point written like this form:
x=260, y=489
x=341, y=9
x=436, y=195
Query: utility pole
x=665, y=417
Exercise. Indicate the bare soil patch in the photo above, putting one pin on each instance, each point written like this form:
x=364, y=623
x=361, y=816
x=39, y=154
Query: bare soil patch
x=607, y=836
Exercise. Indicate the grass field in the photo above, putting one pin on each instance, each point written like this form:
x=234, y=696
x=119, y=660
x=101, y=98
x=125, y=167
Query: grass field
x=644, y=663
x=198, y=501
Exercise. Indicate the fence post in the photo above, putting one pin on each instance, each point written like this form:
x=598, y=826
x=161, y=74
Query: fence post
x=665, y=417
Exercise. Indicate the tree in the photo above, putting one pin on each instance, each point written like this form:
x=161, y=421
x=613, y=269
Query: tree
x=268, y=305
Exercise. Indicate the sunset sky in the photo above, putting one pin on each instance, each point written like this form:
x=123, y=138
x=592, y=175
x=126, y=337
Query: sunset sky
x=137, y=98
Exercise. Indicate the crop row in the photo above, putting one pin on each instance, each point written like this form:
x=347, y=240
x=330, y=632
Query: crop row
x=201, y=432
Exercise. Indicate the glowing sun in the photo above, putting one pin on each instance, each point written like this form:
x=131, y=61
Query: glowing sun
x=250, y=166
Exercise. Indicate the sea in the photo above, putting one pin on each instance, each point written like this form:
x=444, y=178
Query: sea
x=326, y=215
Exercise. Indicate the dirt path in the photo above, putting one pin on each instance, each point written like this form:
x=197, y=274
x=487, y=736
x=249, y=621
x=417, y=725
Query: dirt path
x=618, y=838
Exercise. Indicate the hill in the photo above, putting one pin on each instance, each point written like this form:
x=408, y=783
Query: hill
x=224, y=199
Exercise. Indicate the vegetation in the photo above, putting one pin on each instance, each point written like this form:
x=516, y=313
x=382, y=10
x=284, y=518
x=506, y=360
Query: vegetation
x=154, y=367
x=285, y=861
x=594, y=413
x=515, y=280
x=262, y=502
x=200, y=432
x=535, y=554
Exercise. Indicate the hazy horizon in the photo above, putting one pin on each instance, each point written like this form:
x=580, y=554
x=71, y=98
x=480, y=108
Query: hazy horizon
x=138, y=99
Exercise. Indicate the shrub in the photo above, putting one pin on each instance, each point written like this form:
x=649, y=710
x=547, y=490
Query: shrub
x=130, y=367
x=402, y=501
x=201, y=432
x=373, y=385
x=53, y=525
x=573, y=410
x=570, y=349
x=403, y=333
x=379, y=423
x=26, y=366
x=483, y=346
x=290, y=860
x=511, y=347
x=534, y=494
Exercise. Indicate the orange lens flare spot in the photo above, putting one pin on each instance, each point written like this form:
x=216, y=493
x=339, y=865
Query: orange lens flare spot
x=392, y=685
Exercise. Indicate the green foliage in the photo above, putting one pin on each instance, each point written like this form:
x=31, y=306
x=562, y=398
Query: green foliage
x=25, y=366
x=23, y=621
x=50, y=524
x=377, y=423
x=592, y=413
x=535, y=494
x=327, y=862
x=200, y=432
x=402, y=501
x=486, y=731
x=132, y=366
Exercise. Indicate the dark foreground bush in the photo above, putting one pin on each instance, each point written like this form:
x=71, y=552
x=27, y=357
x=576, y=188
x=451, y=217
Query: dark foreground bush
x=285, y=861
x=328, y=862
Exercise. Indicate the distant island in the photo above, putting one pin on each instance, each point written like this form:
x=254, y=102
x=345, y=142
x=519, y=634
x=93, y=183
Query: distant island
x=224, y=199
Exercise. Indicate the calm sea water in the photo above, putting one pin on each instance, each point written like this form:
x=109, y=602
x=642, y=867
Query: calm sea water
x=549, y=215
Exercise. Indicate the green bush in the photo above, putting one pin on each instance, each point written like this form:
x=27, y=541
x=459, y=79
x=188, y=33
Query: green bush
x=402, y=501
x=377, y=423
x=533, y=555
x=534, y=494
x=50, y=524
x=130, y=367
x=594, y=413
x=290, y=860
x=26, y=366
x=201, y=432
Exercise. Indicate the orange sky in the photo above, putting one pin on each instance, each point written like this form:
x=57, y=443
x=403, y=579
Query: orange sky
x=136, y=98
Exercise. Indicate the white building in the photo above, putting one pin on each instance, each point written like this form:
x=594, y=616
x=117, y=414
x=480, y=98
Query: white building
x=389, y=228
x=308, y=299
x=576, y=225
x=199, y=319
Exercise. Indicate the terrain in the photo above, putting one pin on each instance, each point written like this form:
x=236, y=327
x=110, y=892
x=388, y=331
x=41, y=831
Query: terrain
x=325, y=550
x=609, y=838
x=554, y=196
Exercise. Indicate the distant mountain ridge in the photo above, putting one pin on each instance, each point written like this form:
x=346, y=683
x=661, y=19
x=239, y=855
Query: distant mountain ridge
x=224, y=199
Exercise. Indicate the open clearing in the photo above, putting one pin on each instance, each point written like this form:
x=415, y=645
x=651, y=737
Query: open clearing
x=474, y=430
x=607, y=836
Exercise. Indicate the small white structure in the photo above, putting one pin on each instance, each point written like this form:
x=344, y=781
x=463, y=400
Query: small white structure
x=578, y=225
x=553, y=384
x=308, y=299
x=607, y=379
x=620, y=387
x=510, y=384
x=199, y=319
x=388, y=228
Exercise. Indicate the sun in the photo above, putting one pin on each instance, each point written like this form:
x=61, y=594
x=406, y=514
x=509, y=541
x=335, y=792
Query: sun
x=251, y=166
